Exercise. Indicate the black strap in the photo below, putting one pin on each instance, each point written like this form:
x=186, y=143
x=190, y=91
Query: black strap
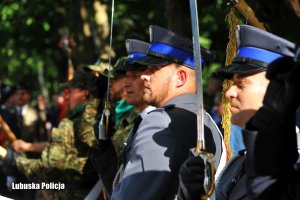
x=137, y=122
x=127, y=147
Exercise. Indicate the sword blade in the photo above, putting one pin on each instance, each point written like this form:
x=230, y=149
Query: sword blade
x=110, y=49
x=107, y=105
x=197, y=58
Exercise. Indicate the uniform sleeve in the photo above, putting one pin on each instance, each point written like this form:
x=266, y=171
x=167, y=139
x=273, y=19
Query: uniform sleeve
x=120, y=137
x=87, y=135
x=148, y=173
x=31, y=168
x=122, y=131
x=57, y=157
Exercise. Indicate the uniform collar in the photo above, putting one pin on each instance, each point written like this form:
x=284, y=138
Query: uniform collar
x=121, y=109
x=78, y=109
x=185, y=101
x=146, y=111
x=184, y=98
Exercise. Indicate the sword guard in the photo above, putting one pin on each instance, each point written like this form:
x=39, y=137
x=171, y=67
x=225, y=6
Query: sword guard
x=209, y=172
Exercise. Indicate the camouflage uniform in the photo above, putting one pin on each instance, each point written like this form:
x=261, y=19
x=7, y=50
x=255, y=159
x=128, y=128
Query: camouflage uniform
x=124, y=123
x=65, y=159
x=122, y=130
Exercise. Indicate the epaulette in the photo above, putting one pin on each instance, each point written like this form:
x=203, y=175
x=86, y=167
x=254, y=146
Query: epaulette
x=164, y=108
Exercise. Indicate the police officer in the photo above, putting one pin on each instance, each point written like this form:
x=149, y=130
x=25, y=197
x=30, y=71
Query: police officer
x=165, y=136
x=125, y=111
x=256, y=50
x=272, y=156
x=112, y=129
x=104, y=156
x=121, y=119
x=28, y=118
x=65, y=158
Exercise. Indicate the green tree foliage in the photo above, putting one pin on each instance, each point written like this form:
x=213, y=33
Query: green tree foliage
x=29, y=40
x=132, y=20
x=29, y=32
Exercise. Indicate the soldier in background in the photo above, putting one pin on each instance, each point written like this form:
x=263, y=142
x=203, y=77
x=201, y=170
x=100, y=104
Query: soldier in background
x=5, y=92
x=53, y=111
x=28, y=120
x=8, y=113
x=106, y=155
x=65, y=158
x=123, y=113
x=7, y=108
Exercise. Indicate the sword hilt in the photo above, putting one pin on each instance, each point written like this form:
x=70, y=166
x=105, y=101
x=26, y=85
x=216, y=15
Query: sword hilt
x=209, y=172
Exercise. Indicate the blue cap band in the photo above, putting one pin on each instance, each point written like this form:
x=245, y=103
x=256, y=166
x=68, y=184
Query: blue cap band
x=186, y=57
x=258, y=54
x=134, y=56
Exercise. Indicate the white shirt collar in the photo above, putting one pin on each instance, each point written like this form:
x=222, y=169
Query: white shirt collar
x=25, y=109
x=146, y=111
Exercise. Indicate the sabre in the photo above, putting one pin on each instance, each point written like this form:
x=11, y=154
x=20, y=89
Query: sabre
x=197, y=58
x=107, y=104
x=200, y=147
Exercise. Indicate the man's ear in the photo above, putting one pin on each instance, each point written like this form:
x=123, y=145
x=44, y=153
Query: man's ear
x=181, y=77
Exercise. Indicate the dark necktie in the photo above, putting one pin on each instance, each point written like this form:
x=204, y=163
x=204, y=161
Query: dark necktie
x=137, y=122
x=130, y=139
x=20, y=118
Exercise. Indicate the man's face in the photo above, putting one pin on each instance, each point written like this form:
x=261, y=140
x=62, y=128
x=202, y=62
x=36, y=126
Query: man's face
x=157, y=84
x=116, y=88
x=246, y=96
x=134, y=87
x=11, y=101
x=76, y=97
x=22, y=97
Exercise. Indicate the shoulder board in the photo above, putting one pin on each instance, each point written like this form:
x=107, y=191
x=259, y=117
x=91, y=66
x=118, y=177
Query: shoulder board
x=164, y=108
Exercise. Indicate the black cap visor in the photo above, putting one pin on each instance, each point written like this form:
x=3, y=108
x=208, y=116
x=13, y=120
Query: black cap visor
x=132, y=67
x=150, y=60
x=239, y=68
